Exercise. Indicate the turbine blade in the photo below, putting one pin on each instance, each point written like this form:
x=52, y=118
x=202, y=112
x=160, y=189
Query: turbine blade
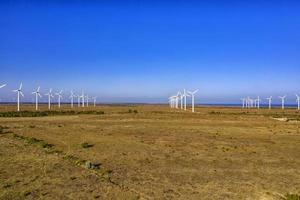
x=21, y=85
x=22, y=93
x=2, y=85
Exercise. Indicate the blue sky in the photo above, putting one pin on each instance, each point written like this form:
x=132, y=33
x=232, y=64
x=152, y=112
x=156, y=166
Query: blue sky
x=145, y=51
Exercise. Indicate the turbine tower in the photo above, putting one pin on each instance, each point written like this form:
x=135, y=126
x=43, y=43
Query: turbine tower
x=87, y=98
x=184, y=96
x=181, y=100
x=49, y=94
x=19, y=92
x=37, y=95
x=82, y=98
x=258, y=102
x=59, y=97
x=282, y=101
x=270, y=102
x=72, y=99
x=298, y=101
x=94, y=98
x=193, y=99
x=243, y=102
x=78, y=99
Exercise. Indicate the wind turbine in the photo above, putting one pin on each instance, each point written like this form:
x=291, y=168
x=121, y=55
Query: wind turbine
x=282, y=101
x=49, y=94
x=87, y=98
x=258, y=102
x=37, y=95
x=72, y=99
x=2, y=86
x=19, y=92
x=193, y=99
x=243, y=102
x=270, y=101
x=171, y=102
x=94, y=98
x=59, y=96
x=298, y=100
x=184, y=96
x=181, y=100
x=82, y=98
x=78, y=99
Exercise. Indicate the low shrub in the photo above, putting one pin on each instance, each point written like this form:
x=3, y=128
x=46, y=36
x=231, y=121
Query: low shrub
x=47, y=113
x=292, y=197
x=86, y=145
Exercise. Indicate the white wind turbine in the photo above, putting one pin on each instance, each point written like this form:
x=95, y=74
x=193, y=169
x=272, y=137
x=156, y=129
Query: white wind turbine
x=184, y=96
x=243, y=102
x=258, y=102
x=87, y=98
x=298, y=101
x=49, y=94
x=82, y=98
x=181, y=100
x=282, y=101
x=37, y=95
x=193, y=99
x=59, y=97
x=270, y=101
x=95, y=99
x=19, y=92
x=171, y=102
x=2, y=86
x=78, y=100
x=72, y=99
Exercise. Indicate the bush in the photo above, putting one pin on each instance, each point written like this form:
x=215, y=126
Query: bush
x=292, y=197
x=47, y=113
x=86, y=145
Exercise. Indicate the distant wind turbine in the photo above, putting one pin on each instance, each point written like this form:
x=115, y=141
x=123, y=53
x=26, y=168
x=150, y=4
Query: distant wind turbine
x=82, y=98
x=258, y=102
x=270, y=101
x=282, y=101
x=49, y=94
x=87, y=98
x=298, y=101
x=193, y=99
x=94, y=98
x=184, y=96
x=243, y=102
x=72, y=99
x=19, y=92
x=59, y=97
x=37, y=95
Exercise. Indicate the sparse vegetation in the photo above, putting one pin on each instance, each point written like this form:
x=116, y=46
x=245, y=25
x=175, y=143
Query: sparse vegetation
x=86, y=145
x=182, y=148
x=48, y=113
x=292, y=197
x=32, y=140
x=3, y=129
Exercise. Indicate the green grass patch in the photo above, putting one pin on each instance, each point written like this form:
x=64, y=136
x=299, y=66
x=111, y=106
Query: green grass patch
x=35, y=141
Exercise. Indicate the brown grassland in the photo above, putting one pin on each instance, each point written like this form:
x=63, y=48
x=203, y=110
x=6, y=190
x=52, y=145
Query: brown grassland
x=154, y=153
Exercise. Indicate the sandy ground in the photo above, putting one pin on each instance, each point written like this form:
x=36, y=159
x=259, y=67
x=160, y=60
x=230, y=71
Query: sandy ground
x=157, y=153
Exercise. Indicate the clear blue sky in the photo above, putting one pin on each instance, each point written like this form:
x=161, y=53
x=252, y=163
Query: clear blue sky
x=144, y=51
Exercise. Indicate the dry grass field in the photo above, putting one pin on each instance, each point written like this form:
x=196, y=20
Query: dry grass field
x=151, y=153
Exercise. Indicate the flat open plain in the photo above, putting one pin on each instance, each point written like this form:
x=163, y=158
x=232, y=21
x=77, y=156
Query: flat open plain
x=156, y=153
